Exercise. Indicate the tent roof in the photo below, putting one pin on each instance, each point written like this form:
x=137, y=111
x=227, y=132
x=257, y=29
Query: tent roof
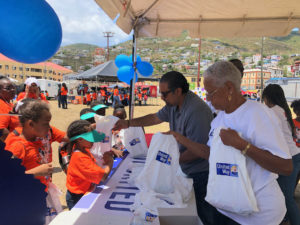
x=103, y=72
x=202, y=18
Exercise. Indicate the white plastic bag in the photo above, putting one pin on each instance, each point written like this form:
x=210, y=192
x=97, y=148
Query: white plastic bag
x=53, y=203
x=104, y=124
x=161, y=182
x=135, y=142
x=229, y=187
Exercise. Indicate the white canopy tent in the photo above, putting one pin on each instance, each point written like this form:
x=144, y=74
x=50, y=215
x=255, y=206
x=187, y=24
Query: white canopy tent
x=203, y=18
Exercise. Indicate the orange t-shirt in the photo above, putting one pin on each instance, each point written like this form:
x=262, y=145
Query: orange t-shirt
x=102, y=93
x=94, y=96
x=63, y=91
x=9, y=122
x=34, y=154
x=116, y=92
x=31, y=95
x=297, y=132
x=83, y=172
x=88, y=97
x=140, y=96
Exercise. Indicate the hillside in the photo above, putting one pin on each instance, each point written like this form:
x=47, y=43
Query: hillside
x=172, y=50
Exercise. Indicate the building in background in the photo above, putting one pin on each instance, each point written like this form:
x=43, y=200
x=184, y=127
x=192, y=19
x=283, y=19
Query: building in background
x=252, y=79
x=21, y=71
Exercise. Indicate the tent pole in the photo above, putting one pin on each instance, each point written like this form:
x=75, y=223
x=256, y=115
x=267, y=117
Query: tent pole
x=261, y=69
x=198, y=76
x=132, y=82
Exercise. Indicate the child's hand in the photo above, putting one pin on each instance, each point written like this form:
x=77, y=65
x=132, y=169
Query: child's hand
x=42, y=170
x=108, y=158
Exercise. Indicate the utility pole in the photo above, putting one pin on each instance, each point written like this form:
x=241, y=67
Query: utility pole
x=108, y=35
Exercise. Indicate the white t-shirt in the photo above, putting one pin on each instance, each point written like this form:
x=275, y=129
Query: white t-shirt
x=286, y=129
x=259, y=126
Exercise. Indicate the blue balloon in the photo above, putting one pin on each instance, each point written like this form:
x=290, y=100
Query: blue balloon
x=144, y=68
x=138, y=58
x=122, y=60
x=30, y=30
x=125, y=74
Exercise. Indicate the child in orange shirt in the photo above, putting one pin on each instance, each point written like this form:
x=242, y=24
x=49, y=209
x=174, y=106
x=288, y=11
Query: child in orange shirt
x=83, y=172
x=32, y=143
x=88, y=98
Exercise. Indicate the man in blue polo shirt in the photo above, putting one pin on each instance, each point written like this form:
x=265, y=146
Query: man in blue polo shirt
x=189, y=115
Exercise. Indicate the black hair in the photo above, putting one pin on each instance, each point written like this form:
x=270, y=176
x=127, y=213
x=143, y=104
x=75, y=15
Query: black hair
x=275, y=95
x=65, y=86
x=94, y=103
x=3, y=78
x=296, y=105
x=175, y=80
x=86, y=110
x=77, y=127
x=32, y=110
x=239, y=65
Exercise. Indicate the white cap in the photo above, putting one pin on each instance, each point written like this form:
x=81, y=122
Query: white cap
x=32, y=80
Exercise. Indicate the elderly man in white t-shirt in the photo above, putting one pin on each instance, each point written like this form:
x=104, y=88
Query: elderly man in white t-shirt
x=263, y=144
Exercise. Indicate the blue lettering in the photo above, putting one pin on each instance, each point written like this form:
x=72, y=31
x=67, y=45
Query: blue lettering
x=126, y=195
x=112, y=205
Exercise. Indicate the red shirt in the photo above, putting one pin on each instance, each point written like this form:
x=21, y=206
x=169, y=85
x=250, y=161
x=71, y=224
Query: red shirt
x=116, y=92
x=9, y=122
x=297, y=132
x=31, y=95
x=35, y=153
x=88, y=97
x=83, y=172
x=63, y=91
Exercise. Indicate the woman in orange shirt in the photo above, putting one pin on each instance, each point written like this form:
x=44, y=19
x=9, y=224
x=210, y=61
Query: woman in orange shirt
x=32, y=143
x=7, y=93
x=64, y=95
x=83, y=172
x=32, y=90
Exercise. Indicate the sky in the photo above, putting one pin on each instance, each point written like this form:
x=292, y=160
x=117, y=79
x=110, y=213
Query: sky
x=83, y=21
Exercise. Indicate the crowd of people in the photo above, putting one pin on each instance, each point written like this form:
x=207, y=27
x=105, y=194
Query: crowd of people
x=265, y=134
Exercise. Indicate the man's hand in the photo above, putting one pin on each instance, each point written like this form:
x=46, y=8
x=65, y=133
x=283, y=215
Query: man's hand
x=117, y=153
x=121, y=124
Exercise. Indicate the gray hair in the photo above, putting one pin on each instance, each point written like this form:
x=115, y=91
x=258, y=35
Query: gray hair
x=223, y=71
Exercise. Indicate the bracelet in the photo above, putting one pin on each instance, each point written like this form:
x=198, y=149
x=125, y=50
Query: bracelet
x=246, y=149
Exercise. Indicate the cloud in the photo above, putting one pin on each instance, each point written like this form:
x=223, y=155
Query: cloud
x=85, y=22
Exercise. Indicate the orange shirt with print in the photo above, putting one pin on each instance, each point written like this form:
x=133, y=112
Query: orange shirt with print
x=8, y=122
x=63, y=91
x=31, y=95
x=116, y=92
x=89, y=97
x=83, y=172
x=36, y=153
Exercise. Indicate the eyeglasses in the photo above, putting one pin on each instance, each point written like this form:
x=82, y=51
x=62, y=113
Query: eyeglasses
x=165, y=94
x=210, y=95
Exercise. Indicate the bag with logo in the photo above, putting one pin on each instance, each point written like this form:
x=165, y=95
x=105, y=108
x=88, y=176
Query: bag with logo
x=229, y=186
x=135, y=142
x=104, y=124
x=161, y=182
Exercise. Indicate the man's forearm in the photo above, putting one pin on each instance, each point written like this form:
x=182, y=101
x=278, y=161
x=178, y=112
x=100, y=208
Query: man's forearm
x=144, y=121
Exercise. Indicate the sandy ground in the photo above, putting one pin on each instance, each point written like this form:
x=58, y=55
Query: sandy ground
x=61, y=118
